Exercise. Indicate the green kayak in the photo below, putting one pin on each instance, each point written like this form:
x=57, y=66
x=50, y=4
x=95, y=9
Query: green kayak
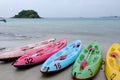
x=88, y=62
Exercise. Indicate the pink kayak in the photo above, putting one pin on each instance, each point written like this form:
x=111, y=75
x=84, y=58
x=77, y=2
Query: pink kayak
x=40, y=55
x=9, y=54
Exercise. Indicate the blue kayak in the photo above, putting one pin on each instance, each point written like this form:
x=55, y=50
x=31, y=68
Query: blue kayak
x=63, y=58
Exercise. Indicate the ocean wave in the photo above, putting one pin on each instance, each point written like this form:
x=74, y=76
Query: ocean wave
x=12, y=36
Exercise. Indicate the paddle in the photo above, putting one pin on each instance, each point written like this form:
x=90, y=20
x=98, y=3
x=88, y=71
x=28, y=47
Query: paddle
x=115, y=55
x=85, y=62
x=65, y=55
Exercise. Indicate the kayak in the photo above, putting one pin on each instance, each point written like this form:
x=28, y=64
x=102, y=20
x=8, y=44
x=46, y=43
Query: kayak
x=40, y=55
x=63, y=58
x=88, y=62
x=112, y=63
x=8, y=54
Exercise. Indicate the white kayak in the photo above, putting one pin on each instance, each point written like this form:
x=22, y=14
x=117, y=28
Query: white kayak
x=8, y=54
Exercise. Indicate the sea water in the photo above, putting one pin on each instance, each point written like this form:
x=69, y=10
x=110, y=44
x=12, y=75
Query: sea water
x=35, y=28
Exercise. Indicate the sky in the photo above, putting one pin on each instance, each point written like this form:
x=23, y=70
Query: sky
x=61, y=8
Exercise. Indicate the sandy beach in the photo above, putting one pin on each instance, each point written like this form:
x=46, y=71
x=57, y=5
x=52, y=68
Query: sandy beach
x=8, y=72
x=105, y=37
x=24, y=22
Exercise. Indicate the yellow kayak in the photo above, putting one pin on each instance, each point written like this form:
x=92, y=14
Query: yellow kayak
x=112, y=63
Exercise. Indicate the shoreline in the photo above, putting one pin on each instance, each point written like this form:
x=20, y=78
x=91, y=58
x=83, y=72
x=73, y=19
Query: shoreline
x=105, y=32
x=16, y=74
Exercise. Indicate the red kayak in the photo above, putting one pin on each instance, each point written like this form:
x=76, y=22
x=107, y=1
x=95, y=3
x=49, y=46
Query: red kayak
x=40, y=55
x=9, y=54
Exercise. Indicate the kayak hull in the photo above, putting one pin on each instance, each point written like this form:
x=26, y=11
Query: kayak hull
x=63, y=58
x=112, y=66
x=88, y=62
x=40, y=55
x=8, y=54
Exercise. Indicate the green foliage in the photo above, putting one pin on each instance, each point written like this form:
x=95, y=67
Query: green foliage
x=27, y=14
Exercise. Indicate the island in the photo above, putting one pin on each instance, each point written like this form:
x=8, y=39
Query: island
x=111, y=17
x=27, y=14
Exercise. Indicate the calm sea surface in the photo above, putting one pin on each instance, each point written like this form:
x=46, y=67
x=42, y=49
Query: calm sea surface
x=32, y=28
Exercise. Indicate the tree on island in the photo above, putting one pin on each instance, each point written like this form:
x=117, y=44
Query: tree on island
x=27, y=14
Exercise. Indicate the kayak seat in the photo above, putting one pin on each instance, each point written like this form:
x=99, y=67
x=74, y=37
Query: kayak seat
x=61, y=57
x=75, y=45
x=78, y=44
x=114, y=54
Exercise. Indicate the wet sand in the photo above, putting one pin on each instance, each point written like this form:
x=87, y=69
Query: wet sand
x=8, y=72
